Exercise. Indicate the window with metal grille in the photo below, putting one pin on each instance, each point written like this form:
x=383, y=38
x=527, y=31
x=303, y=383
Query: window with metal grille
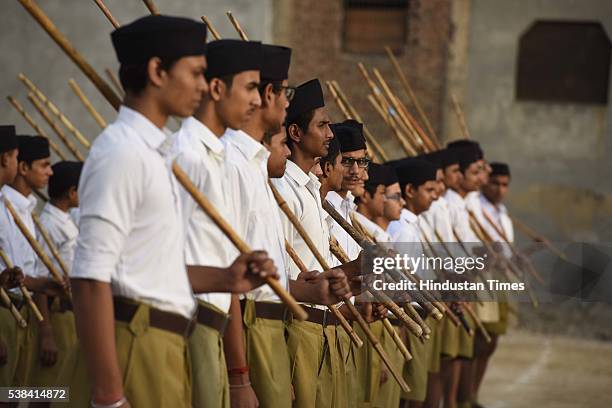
x=369, y=25
x=564, y=61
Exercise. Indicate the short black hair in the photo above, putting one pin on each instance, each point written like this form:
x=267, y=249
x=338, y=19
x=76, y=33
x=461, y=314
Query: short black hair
x=302, y=121
x=228, y=80
x=277, y=86
x=134, y=77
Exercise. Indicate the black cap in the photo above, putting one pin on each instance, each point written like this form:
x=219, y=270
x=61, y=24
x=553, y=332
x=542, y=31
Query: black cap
x=8, y=138
x=467, y=155
x=350, y=135
x=332, y=151
x=66, y=174
x=32, y=148
x=390, y=175
x=499, y=169
x=415, y=172
x=448, y=157
x=466, y=143
x=434, y=158
x=377, y=175
x=158, y=36
x=275, y=64
x=228, y=57
x=308, y=97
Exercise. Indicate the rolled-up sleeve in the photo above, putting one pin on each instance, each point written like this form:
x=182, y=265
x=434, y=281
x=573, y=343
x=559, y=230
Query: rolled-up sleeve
x=110, y=192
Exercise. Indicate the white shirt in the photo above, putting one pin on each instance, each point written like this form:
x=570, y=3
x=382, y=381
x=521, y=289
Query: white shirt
x=63, y=233
x=258, y=214
x=438, y=217
x=499, y=215
x=131, y=229
x=379, y=234
x=200, y=153
x=12, y=240
x=460, y=217
x=408, y=239
x=344, y=206
x=301, y=192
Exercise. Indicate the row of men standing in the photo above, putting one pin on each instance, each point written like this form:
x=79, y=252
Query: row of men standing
x=144, y=246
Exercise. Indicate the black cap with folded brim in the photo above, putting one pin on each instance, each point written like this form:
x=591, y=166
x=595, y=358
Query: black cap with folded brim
x=378, y=174
x=158, y=36
x=308, y=97
x=8, y=138
x=275, y=64
x=350, y=135
x=499, y=169
x=467, y=155
x=466, y=143
x=66, y=174
x=415, y=172
x=32, y=148
x=230, y=57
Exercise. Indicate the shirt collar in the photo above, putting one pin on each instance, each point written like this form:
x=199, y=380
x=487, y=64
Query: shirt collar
x=20, y=201
x=249, y=147
x=454, y=197
x=497, y=207
x=408, y=216
x=338, y=202
x=57, y=213
x=153, y=136
x=204, y=134
x=297, y=174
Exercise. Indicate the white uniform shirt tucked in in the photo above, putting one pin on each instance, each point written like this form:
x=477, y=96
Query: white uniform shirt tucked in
x=131, y=231
x=460, y=217
x=379, y=234
x=63, y=233
x=200, y=153
x=257, y=213
x=345, y=206
x=301, y=192
x=12, y=241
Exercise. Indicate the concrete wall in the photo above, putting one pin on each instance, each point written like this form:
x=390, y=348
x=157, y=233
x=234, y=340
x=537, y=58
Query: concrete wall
x=559, y=153
x=26, y=48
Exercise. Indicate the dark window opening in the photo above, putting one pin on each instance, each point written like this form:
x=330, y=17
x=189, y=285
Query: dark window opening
x=562, y=61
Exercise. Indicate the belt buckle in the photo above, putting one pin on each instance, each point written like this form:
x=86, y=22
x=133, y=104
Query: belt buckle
x=325, y=314
x=224, y=325
x=190, y=326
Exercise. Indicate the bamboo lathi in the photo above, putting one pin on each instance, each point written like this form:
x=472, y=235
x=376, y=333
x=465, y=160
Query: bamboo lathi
x=52, y=248
x=212, y=30
x=24, y=291
x=43, y=20
x=39, y=131
x=87, y=103
x=242, y=246
x=6, y=301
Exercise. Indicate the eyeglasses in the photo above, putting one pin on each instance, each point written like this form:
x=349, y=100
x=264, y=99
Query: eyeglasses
x=289, y=91
x=362, y=163
x=395, y=197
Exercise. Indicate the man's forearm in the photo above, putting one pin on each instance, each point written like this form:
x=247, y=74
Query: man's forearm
x=206, y=279
x=303, y=291
x=233, y=340
x=95, y=323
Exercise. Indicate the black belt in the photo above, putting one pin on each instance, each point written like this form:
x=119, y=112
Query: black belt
x=268, y=310
x=322, y=317
x=125, y=310
x=63, y=304
x=212, y=318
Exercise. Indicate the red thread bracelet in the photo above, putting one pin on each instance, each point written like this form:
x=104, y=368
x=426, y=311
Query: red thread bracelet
x=238, y=370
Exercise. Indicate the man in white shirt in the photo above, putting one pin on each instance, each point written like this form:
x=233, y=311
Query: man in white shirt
x=317, y=381
x=371, y=205
x=233, y=79
x=34, y=170
x=57, y=336
x=132, y=292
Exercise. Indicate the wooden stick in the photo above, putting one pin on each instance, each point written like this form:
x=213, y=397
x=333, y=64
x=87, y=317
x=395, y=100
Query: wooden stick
x=43, y=20
x=107, y=13
x=34, y=244
x=52, y=248
x=336, y=91
x=41, y=195
x=114, y=80
x=6, y=300
x=397, y=339
x=35, y=126
x=537, y=237
x=237, y=26
x=411, y=94
x=478, y=322
x=460, y=116
x=55, y=110
x=58, y=131
x=151, y=6
x=87, y=103
x=24, y=291
x=343, y=322
x=212, y=30
x=242, y=246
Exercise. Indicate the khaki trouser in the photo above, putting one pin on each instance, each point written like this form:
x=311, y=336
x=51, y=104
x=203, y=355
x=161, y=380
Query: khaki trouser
x=466, y=342
x=368, y=365
x=390, y=391
x=434, y=344
x=64, y=332
x=348, y=379
x=315, y=365
x=19, y=343
x=268, y=358
x=415, y=370
x=450, y=338
x=210, y=386
x=154, y=363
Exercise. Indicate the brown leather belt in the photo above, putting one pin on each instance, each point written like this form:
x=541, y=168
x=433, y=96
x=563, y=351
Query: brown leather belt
x=268, y=310
x=212, y=318
x=319, y=316
x=126, y=309
x=63, y=305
